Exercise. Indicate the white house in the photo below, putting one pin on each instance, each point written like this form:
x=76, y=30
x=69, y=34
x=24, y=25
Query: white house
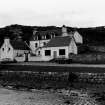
x=40, y=39
x=62, y=46
x=14, y=50
x=56, y=46
x=59, y=47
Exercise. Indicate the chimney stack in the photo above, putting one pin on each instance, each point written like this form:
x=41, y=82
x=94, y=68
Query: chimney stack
x=64, y=31
x=34, y=31
x=6, y=40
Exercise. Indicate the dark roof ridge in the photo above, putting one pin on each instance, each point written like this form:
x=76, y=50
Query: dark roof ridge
x=19, y=45
x=59, y=41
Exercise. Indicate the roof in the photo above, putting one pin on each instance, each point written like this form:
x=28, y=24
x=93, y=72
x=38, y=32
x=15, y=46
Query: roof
x=48, y=34
x=59, y=41
x=19, y=45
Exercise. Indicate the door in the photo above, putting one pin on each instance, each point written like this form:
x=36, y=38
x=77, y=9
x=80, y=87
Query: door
x=26, y=57
x=54, y=54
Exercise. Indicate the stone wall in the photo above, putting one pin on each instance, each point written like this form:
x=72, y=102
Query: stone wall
x=92, y=77
x=88, y=58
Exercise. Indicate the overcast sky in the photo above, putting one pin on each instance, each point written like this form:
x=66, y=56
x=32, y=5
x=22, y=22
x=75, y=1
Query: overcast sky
x=76, y=13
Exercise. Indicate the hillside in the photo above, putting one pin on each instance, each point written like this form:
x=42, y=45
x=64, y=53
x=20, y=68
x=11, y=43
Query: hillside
x=94, y=35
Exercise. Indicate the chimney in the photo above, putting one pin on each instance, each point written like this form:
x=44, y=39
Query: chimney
x=6, y=40
x=64, y=31
x=71, y=34
x=34, y=31
x=34, y=34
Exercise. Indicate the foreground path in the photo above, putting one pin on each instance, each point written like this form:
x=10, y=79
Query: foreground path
x=38, y=97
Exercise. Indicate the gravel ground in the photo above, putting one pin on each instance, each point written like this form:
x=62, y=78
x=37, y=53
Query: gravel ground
x=38, y=97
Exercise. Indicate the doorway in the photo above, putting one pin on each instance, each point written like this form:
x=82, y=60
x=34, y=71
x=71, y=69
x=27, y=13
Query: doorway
x=26, y=57
x=54, y=54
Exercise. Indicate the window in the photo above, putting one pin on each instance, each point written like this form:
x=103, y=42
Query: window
x=47, y=52
x=44, y=43
x=8, y=49
x=3, y=49
x=61, y=51
x=38, y=52
x=36, y=44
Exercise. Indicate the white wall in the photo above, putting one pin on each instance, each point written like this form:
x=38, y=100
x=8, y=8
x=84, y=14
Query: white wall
x=6, y=50
x=34, y=58
x=20, y=52
x=39, y=42
x=47, y=58
x=20, y=59
x=78, y=38
x=73, y=47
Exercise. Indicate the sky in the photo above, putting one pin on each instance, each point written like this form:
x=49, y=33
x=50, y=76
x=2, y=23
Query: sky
x=74, y=13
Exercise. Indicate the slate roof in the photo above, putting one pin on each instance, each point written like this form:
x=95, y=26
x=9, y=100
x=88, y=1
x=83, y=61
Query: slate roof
x=45, y=33
x=59, y=41
x=19, y=45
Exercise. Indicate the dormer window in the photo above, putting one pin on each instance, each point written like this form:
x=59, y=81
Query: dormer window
x=36, y=44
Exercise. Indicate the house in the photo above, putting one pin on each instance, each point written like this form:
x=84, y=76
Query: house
x=62, y=46
x=59, y=47
x=14, y=50
x=46, y=48
x=40, y=39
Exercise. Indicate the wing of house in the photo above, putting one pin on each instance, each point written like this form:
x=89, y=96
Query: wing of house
x=78, y=38
x=40, y=39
